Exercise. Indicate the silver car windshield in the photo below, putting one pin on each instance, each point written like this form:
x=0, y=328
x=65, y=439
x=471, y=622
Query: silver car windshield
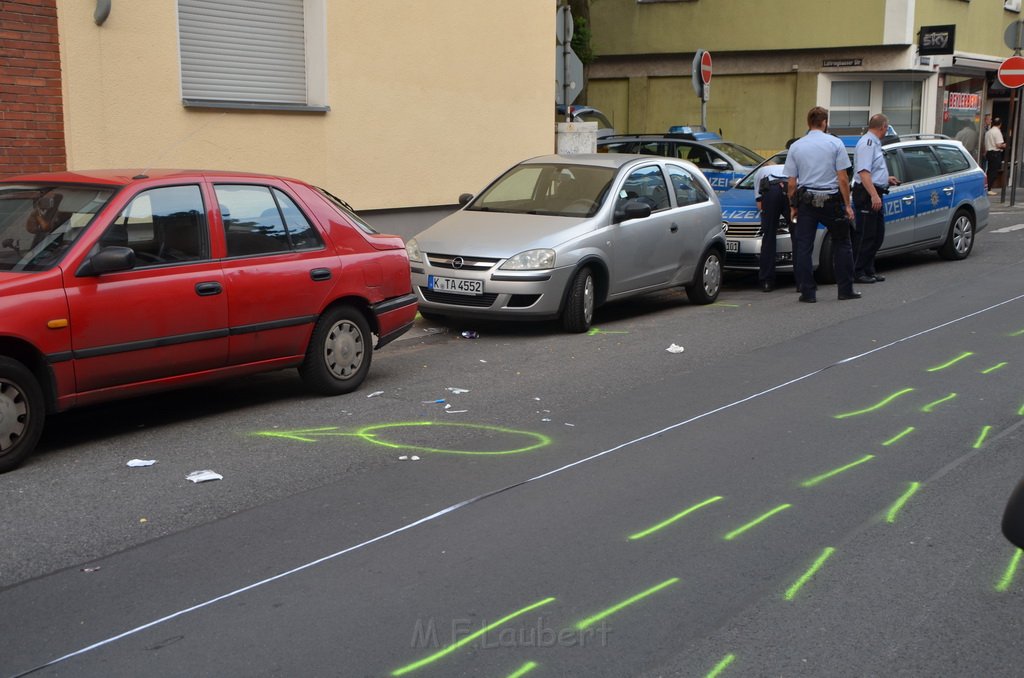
x=39, y=223
x=560, y=190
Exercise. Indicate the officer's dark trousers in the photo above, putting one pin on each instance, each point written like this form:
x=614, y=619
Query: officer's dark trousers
x=774, y=204
x=807, y=220
x=869, y=235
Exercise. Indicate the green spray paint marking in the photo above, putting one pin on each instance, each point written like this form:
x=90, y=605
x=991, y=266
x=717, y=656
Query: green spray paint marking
x=954, y=361
x=726, y=305
x=811, y=482
x=370, y=435
x=877, y=406
x=468, y=639
x=894, y=510
x=756, y=521
x=1020, y=412
x=931, y=406
x=523, y=670
x=590, y=621
x=595, y=331
x=908, y=430
x=981, y=437
x=995, y=367
x=1011, y=571
x=798, y=584
x=1017, y=333
x=678, y=516
x=721, y=666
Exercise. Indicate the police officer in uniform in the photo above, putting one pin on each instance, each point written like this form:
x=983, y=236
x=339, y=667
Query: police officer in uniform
x=819, y=192
x=871, y=181
x=770, y=193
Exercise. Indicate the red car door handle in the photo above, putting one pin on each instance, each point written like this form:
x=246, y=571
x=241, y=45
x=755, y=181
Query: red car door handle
x=208, y=289
x=319, y=274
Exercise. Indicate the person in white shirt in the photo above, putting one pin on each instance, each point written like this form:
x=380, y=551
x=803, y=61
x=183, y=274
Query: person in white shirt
x=994, y=146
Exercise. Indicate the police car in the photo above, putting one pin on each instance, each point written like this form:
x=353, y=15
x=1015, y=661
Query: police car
x=941, y=203
x=722, y=162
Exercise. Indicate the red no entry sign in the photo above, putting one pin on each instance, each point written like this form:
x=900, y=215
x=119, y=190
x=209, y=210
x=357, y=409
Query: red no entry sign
x=1011, y=72
x=705, y=67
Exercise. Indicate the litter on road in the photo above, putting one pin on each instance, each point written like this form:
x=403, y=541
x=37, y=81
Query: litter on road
x=136, y=463
x=470, y=334
x=203, y=476
x=375, y=394
x=675, y=349
x=456, y=390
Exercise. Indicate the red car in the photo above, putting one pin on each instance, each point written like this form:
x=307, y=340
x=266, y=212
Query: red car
x=117, y=283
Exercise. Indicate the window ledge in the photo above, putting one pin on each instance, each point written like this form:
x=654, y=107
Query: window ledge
x=253, y=106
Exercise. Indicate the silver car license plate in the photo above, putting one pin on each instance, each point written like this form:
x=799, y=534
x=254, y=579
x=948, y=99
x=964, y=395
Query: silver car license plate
x=456, y=285
x=732, y=246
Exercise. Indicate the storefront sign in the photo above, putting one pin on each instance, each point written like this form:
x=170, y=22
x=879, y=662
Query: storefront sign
x=962, y=101
x=841, y=63
x=936, y=40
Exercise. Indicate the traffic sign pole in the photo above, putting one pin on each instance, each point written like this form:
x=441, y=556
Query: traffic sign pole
x=1011, y=75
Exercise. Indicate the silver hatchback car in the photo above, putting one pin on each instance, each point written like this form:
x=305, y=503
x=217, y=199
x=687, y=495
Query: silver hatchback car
x=557, y=236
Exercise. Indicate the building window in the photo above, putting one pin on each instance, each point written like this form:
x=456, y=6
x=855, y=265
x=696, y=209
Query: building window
x=853, y=102
x=850, y=104
x=265, y=54
x=901, y=103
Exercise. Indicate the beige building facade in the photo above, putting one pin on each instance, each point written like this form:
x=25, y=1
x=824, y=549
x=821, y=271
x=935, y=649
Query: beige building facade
x=387, y=104
x=772, y=61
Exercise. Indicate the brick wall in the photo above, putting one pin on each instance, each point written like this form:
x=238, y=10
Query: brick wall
x=31, y=108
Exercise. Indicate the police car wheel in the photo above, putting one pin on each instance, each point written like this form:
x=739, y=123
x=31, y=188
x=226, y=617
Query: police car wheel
x=960, y=239
x=707, y=280
x=826, y=272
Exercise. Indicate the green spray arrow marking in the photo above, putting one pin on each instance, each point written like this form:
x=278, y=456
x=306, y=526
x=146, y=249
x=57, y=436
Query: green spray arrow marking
x=997, y=366
x=468, y=639
x=877, y=406
x=894, y=510
x=595, y=331
x=755, y=522
x=721, y=666
x=590, y=621
x=981, y=437
x=523, y=670
x=931, y=406
x=811, y=482
x=907, y=431
x=1010, y=573
x=806, y=577
x=954, y=361
x=669, y=521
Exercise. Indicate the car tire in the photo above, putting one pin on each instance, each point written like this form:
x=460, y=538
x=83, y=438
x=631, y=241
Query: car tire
x=826, y=272
x=22, y=412
x=339, y=353
x=707, y=279
x=578, y=313
x=960, y=238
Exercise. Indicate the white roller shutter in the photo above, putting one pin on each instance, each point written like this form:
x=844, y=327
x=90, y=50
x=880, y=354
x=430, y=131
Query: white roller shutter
x=246, y=51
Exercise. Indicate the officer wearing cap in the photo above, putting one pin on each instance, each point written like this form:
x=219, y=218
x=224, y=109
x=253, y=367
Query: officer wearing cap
x=871, y=181
x=819, y=192
x=770, y=193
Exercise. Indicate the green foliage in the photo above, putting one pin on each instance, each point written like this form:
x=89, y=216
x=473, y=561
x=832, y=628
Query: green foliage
x=581, y=40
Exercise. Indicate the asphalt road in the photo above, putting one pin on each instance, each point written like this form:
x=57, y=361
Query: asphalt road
x=804, y=491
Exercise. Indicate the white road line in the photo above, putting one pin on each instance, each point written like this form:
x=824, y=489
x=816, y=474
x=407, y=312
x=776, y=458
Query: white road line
x=467, y=502
x=1009, y=229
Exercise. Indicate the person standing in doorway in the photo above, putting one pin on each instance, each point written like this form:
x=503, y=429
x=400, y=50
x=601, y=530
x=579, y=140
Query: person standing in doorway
x=994, y=146
x=819, y=192
x=871, y=181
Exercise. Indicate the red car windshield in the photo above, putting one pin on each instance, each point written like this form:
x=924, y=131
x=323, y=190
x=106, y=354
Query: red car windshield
x=39, y=223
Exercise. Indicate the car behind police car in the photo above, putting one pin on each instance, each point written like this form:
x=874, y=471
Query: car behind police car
x=722, y=162
x=940, y=204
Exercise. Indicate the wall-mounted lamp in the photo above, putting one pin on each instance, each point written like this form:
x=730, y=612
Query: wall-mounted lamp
x=102, y=12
